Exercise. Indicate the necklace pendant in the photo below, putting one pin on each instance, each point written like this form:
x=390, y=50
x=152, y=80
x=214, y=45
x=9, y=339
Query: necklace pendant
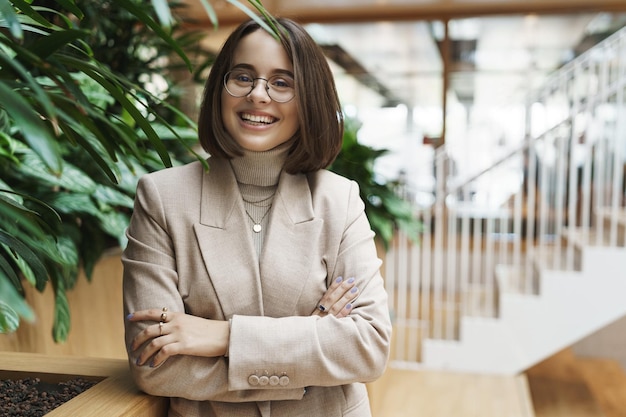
x=257, y=228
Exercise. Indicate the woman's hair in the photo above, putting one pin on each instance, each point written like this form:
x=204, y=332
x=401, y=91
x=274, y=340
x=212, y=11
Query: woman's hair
x=318, y=139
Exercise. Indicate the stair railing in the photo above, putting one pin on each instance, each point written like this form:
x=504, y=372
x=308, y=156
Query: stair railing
x=490, y=230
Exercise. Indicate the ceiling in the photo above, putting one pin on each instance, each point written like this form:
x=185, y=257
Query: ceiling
x=389, y=52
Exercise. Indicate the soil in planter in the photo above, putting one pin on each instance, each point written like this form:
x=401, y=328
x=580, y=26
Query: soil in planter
x=31, y=397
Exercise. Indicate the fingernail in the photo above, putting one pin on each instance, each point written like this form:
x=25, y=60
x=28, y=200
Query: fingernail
x=130, y=316
x=351, y=280
x=353, y=290
x=339, y=279
x=138, y=361
x=348, y=306
x=152, y=365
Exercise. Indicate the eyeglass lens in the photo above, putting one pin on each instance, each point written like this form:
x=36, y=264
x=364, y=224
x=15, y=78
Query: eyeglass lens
x=280, y=88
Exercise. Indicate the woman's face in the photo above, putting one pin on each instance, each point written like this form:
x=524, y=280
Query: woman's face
x=255, y=121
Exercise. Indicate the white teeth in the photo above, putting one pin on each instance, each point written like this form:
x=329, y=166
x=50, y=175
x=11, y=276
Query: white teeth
x=256, y=118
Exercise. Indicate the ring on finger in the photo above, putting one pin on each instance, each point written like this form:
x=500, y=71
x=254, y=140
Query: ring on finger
x=160, y=328
x=164, y=314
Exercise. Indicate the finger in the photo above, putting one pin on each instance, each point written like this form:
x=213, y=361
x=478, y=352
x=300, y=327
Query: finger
x=344, y=312
x=151, y=349
x=149, y=333
x=343, y=301
x=336, y=291
x=163, y=354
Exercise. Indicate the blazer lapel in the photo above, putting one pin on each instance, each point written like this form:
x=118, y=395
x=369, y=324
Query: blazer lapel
x=286, y=255
x=225, y=243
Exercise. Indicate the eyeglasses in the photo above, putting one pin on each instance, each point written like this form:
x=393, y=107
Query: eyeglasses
x=240, y=83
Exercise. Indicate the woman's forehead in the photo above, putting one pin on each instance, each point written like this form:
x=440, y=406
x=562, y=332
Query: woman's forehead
x=262, y=52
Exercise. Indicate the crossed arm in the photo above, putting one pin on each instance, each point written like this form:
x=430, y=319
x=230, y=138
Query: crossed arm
x=177, y=333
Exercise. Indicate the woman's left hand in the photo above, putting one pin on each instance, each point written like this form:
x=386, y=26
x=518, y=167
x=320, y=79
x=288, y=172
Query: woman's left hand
x=337, y=301
x=175, y=333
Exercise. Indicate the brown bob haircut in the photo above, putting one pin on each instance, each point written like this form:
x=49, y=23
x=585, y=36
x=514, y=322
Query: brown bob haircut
x=318, y=140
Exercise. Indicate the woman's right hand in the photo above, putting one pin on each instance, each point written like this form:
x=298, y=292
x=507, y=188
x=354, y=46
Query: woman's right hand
x=338, y=298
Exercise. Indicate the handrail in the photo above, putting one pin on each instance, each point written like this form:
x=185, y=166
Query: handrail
x=480, y=236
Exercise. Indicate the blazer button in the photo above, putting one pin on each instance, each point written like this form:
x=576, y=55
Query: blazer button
x=253, y=380
x=283, y=381
x=264, y=380
x=274, y=380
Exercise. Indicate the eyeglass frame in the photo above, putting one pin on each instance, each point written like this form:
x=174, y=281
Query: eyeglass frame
x=267, y=87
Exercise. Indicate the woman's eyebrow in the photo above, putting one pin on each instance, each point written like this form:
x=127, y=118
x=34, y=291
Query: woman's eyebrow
x=275, y=71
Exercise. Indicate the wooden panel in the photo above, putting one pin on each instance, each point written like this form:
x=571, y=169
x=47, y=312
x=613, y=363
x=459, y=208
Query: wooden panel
x=397, y=10
x=96, y=313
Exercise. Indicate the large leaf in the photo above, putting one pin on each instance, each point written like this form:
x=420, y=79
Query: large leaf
x=10, y=20
x=28, y=256
x=61, y=324
x=12, y=305
x=35, y=131
x=71, y=179
x=162, y=9
x=48, y=45
x=100, y=76
x=29, y=11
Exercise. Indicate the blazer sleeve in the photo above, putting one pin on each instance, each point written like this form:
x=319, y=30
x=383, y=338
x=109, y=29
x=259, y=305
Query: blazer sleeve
x=150, y=281
x=323, y=351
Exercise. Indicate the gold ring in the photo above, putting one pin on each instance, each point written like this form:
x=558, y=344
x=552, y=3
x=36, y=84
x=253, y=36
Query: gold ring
x=164, y=314
x=160, y=328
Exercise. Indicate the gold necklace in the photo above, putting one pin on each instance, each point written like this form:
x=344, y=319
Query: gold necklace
x=256, y=227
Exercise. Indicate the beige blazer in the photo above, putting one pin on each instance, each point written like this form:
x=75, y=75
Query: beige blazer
x=190, y=249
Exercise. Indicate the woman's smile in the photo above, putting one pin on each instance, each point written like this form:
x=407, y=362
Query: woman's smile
x=257, y=119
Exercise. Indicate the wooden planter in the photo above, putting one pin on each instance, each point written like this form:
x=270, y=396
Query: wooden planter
x=114, y=396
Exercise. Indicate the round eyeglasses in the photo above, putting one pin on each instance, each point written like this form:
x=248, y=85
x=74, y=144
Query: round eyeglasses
x=279, y=88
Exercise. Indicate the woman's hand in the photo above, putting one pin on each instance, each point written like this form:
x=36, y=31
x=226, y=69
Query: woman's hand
x=338, y=298
x=176, y=333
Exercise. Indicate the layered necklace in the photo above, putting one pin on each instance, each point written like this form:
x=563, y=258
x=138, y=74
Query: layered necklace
x=256, y=225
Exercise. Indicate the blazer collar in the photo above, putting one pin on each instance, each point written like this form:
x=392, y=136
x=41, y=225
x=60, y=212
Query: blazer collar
x=274, y=288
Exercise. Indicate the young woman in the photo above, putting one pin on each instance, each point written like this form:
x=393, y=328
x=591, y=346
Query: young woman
x=233, y=287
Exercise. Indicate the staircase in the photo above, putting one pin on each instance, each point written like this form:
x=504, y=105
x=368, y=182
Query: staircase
x=521, y=260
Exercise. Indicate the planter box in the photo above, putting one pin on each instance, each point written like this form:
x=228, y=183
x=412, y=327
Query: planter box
x=114, y=396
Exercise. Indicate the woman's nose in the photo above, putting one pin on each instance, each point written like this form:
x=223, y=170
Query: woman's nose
x=260, y=91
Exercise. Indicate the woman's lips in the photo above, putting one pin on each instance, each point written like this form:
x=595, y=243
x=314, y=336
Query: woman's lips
x=257, y=118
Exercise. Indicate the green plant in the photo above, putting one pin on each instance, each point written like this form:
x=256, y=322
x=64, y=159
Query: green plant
x=79, y=123
x=385, y=209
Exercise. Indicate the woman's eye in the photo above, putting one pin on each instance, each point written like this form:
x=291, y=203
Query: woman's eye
x=245, y=78
x=281, y=83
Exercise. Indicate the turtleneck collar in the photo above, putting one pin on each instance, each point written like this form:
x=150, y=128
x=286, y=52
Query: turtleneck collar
x=260, y=168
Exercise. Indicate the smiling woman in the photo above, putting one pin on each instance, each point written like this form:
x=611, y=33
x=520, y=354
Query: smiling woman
x=257, y=283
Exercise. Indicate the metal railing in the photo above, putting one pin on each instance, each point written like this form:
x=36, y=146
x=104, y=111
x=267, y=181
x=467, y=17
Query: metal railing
x=563, y=187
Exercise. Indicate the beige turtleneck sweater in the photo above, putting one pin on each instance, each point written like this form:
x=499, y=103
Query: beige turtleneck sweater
x=257, y=175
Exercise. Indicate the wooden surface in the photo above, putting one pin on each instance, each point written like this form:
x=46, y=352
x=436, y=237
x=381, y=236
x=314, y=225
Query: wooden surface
x=566, y=385
x=411, y=393
x=114, y=396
